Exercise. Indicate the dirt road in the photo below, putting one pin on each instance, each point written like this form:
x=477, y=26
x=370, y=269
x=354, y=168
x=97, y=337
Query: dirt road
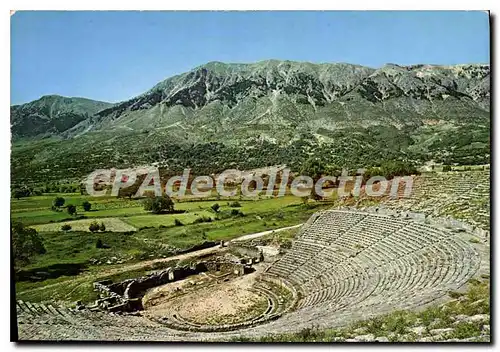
x=260, y=234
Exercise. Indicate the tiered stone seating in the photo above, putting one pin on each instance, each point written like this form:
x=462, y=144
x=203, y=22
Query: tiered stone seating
x=450, y=193
x=370, y=264
x=329, y=226
x=398, y=262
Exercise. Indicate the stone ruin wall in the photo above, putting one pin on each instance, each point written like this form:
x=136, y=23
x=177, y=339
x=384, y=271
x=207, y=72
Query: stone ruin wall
x=250, y=254
x=126, y=296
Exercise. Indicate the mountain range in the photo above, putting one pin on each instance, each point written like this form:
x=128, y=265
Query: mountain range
x=422, y=112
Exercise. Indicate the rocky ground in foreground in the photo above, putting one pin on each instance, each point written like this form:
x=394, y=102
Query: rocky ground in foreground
x=466, y=318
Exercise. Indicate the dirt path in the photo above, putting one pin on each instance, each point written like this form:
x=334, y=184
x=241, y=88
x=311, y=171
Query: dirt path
x=260, y=234
x=135, y=266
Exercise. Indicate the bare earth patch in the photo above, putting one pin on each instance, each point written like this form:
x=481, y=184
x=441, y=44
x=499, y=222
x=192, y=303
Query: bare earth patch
x=226, y=302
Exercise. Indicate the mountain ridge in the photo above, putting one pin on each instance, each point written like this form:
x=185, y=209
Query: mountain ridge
x=309, y=83
x=51, y=114
x=219, y=116
x=306, y=84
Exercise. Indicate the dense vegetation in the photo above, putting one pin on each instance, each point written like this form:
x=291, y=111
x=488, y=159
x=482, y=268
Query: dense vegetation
x=349, y=148
x=26, y=244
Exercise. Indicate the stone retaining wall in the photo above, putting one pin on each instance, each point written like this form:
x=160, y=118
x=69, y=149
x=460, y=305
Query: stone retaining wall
x=127, y=295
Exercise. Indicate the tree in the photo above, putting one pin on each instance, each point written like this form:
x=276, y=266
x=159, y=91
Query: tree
x=17, y=193
x=94, y=226
x=20, y=192
x=215, y=207
x=26, y=243
x=390, y=169
x=314, y=168
x=58, y=202
x=86, y=205
x=370, y=172
x=71, y=209
x=158, y=205
x=102, y=227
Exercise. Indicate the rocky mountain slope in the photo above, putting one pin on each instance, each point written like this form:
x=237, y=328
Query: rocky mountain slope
x=51, y=114
x=251, y=115
x=287, y=94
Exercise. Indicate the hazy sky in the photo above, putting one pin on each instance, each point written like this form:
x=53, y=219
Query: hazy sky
x=113, y=56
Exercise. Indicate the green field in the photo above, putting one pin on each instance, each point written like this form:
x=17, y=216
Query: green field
x=112, y=225
x=45, y=201
x=151, y=220
x=37, y=210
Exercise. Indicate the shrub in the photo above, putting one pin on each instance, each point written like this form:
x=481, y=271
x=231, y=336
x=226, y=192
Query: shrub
x=177, y=222
x=66, y=227
x=158, y=205
x=86, y=206
x=102, y=227
x=455, y=294
x=446, y=168
x=215, y=207
x=236, y=212
x=58, y=202
x=71, y=209
x=307, y=334
x=235, y=204
x=99, y=243
x=94, y=226
x=202, y=219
